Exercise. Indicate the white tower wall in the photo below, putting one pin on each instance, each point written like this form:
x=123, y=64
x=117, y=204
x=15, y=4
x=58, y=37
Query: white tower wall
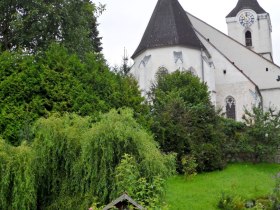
x=260, y=29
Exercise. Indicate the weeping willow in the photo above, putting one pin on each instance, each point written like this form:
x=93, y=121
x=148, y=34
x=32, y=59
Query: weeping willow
x=72, y=161
x=17, y=177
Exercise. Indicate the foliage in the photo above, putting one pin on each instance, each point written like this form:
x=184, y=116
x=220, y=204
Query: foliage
x=126, y=176
x=231, y=202
x=148, y=193
x=276, y=193
x=34, y=25
x=17, y=178
x=185, y=121
x=263, y=133
x=189, y=166
x=115, y=135
x=73, y=160
x=56, y=81
x=236, y=145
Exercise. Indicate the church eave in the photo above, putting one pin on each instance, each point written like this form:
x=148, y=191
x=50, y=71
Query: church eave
x=168, y=45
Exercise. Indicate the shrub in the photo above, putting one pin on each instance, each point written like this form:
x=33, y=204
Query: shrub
x=231, y=202
x=263, y=133
x=189, y=166
x=185, y=120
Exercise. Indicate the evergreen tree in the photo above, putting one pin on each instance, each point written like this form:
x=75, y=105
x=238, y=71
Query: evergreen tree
x=33, y=86
x=185, y=121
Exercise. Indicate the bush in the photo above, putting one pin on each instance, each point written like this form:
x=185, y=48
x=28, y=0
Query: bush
x=189, y=166
x=263, y=133
x=231, y=202
x=72, y=162
x=185, y=120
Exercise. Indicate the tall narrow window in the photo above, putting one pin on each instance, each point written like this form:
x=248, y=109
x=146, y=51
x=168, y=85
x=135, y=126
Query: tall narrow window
x=230, y=107
x=248, y=39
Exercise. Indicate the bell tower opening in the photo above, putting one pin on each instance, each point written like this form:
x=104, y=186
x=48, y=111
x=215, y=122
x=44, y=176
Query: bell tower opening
x=248, y=39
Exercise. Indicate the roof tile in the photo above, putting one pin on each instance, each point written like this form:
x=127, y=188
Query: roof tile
x=169, y=25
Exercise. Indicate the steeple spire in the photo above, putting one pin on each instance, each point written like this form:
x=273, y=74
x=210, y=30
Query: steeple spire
x=169, y=25
x=246, y=4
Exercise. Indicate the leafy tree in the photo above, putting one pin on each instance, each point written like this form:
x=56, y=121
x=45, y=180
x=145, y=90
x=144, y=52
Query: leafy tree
x=185, y=121
x=35, y=24
x=263, y=133
x=33, y=86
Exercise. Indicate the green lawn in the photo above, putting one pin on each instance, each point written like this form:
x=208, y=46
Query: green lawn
x=203, y=191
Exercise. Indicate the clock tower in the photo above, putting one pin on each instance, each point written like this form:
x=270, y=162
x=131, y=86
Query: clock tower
x=250, y=24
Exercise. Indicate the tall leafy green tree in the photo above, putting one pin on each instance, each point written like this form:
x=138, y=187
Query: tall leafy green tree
x=185, y=121
x=33, y=86
x=33, y=25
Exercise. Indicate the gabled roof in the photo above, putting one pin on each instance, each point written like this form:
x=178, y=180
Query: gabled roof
x=122, y=198
x=246, y=4
x=254, y=66
x=169, y=25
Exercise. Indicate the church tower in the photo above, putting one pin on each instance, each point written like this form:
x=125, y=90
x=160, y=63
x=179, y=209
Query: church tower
x=170, y=43
x=250, y=24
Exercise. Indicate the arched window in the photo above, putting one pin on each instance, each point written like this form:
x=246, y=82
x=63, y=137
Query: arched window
x=248, y=39
x=230, y=107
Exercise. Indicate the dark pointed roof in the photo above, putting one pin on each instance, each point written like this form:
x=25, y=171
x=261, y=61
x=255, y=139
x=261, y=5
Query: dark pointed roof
x=169, y=25
x=246, y=4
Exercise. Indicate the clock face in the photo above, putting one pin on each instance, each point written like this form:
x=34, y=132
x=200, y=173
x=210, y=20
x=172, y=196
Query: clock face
x=246, y=19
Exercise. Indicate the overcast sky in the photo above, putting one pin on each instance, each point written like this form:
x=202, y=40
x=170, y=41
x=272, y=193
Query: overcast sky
x=124, y=22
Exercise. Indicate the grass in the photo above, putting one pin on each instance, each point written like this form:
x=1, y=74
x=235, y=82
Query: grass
x=203, y=191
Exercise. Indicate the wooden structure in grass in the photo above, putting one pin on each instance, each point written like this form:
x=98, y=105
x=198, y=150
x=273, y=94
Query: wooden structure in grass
x=123, y=203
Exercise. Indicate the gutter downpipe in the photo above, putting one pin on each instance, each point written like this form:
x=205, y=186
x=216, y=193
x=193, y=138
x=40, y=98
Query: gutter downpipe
x=202, y=65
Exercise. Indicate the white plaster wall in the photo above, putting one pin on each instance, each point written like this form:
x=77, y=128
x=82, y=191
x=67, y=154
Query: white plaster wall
x=263, y=72
x=231, y=82
x=240, y=91
x=251, y=63
x=164, y=57
x=271, y=94
x=261, y=32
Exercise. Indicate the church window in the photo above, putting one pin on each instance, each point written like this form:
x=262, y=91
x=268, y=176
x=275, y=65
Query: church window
x=145, y=61
x=178, y=57
x=230, y=107
x=248, y=38
x=192, y=71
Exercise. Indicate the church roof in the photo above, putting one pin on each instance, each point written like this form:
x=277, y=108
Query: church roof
x=246, y=4
x=169, y=25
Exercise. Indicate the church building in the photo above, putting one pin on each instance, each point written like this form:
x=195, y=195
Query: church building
x=238, y=68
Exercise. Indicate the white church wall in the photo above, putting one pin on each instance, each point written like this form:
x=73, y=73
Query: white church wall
x=267, y=95
x=261, y=32
x=230, y=82
x=240, y=92
x=237, y=31
x=209, y=77
x=263, y=72
x=264, y=41
x=172, y=58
